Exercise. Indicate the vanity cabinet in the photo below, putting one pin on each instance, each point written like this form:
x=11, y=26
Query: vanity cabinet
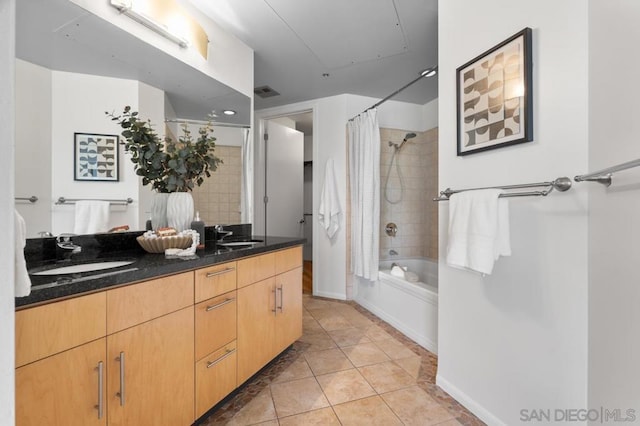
x=269, y=310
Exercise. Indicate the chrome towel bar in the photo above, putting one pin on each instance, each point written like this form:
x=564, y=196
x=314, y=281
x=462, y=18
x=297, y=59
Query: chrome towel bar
x=124, y=202
x=560, y=184
x=604, y=176
x=31, y=199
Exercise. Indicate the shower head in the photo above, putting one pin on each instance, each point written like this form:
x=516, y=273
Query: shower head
x=409, y=136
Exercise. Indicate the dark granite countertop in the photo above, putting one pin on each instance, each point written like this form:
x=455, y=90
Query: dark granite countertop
x=145, y=266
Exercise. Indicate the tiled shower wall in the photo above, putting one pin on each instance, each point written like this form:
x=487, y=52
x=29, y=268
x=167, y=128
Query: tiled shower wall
x=218, y=198
x=416, y=216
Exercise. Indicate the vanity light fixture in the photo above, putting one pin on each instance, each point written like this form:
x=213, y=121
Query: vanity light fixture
x=229, y=112
x=126, y=7
x=430, y=72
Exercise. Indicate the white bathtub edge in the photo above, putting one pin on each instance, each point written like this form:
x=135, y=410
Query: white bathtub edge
x=420, y=339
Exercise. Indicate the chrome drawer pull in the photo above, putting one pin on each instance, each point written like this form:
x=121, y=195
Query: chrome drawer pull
x=222, y=272
x=228, y=352
x=100, y=407
x=226, y=301
x=275, y=302
x=281, y=297
x=121, y=392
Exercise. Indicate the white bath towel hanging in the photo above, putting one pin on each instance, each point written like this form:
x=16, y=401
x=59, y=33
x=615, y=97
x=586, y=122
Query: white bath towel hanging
x=478, y=230
x=92, y=216
x=22, y=280
x=329, y=211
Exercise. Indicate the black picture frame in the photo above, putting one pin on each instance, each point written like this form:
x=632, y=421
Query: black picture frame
x=96, y=157
x=495, y=97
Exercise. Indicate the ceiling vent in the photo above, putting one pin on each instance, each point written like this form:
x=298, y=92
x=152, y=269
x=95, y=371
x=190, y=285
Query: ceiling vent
x=265, y=92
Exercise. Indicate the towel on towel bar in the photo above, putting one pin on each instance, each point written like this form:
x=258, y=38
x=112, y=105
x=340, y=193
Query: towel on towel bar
x=478, y=230
x=329, y=211
x=22, y=281
x=92, y=216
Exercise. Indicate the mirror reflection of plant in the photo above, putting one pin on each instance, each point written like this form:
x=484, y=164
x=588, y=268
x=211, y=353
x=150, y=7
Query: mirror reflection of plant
x=169, y=166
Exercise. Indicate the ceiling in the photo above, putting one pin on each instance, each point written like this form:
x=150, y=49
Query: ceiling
x=308, y=49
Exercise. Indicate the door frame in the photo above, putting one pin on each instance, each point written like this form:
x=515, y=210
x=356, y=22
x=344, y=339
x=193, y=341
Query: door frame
x=260, y=117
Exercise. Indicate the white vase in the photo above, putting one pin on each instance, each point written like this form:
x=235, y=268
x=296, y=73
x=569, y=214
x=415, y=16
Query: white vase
x=159, y=210
x=180, y=210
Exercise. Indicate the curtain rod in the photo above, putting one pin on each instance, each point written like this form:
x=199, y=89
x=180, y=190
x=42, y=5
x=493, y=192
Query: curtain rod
x=429, y=72
x=213, y=123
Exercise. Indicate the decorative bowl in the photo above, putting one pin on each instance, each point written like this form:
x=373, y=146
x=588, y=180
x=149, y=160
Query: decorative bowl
x=160, y=244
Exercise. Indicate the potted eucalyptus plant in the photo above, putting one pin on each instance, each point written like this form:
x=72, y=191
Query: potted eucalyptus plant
x=172, y=167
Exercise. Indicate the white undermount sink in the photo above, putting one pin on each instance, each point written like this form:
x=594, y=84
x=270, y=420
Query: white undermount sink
x=239, y=243
x=84, y=267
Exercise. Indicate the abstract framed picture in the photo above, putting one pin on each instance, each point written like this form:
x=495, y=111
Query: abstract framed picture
x=96, y=157
x=494, y=97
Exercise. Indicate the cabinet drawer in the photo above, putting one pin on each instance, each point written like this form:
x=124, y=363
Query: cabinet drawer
x=215, y=378
x=257, y=268
x=216, y=280
x=215, y=323
x=288, y=259
x=49, y=329
x=137, y=303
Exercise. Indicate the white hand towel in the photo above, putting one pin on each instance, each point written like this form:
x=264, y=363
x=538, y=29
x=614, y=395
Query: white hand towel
x=478, y=230
x=329, y=211
x=22, y=280
x=91, y=217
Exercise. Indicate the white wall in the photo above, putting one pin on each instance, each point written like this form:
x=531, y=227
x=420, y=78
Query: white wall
x=33, y=136
x=330, y=117
x=518, y=339
x=7, y=145
x=430, y=114
x=614, y=222
x=79, y=105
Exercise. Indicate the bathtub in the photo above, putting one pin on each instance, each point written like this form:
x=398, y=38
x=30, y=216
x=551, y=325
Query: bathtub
x=412, y=308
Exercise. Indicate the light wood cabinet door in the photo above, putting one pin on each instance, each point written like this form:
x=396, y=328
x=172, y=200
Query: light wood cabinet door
x=215, y=377
x=256, y=268
x=64, y=389
x=256, y=322
x=155, y=383
x=288, y=259
x=288, y=327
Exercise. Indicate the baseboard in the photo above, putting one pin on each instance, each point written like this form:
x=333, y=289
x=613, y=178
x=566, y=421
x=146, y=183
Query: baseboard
x=330, y=295
x=423, y=341
x=469, y=403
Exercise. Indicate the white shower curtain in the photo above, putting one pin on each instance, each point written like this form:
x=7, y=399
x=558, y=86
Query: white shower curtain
x=364, y=172
x=246, y=203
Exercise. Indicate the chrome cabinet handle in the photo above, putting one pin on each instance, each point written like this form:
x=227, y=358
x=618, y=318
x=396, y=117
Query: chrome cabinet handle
x=100, y=407
x=227, y=353
x=222, y=272
x=226, y=301
x=281, y=297
x=121, y=392
x=275, y=302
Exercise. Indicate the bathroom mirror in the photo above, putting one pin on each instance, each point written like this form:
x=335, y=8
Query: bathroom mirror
x=68, y=55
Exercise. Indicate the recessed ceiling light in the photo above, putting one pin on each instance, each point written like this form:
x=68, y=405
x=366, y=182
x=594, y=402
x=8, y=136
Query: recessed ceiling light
x=229, y=112
x=429, y=72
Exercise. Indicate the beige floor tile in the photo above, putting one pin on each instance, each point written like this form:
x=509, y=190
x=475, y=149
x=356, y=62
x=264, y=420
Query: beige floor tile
x=365, y=354
x=345, y=386
x=387, y=377
x=318, y=341
x=376, y=333
x=372, y=411
x=452, y=422
x=259, y=409
x=415, y=407
x=349, y=336
x=358, y=320
x=322, y=417
x=310, y=325
x=297, y=397
x=335, y=322
x=269, y=423
x=411, y=365
x=395, y=349
x=328, y=361
x=297, y=370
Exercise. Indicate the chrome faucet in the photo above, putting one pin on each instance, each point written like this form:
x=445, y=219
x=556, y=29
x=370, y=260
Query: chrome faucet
x=220, y=230
x=64, y=242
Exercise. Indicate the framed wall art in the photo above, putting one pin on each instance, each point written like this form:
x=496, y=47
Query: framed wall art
x=96, y=157
x=494, y=97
